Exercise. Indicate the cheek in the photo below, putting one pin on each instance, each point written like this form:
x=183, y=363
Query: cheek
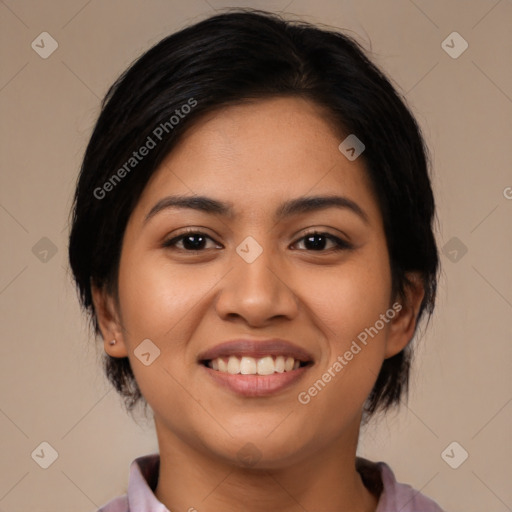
x=348, y=304
x=165, y=304
x=156, y=297
x=350, y=299
x=157, y=303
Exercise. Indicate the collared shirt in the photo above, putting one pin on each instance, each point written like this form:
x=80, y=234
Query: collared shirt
x=377, y=477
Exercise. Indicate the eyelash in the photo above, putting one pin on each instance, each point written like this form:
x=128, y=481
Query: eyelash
x=340, y=245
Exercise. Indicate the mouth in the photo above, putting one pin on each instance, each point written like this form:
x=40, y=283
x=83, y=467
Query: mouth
x=256, y=368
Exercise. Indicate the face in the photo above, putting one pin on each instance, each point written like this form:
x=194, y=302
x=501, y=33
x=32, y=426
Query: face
x=317, y=276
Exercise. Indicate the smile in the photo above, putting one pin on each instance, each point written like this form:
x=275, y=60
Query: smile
x=241, y=375
x=255, y=368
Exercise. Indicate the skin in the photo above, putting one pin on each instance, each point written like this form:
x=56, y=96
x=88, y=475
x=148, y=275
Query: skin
x=257, y=156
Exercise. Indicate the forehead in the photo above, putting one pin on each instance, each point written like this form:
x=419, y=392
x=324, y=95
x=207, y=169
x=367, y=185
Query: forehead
x=259, y=153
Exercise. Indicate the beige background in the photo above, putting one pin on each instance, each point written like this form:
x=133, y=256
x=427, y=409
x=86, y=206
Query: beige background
x=52, y=384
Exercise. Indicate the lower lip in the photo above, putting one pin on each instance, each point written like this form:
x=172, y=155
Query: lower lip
x=257, y=385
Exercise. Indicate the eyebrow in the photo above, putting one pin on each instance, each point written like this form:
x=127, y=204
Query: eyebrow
x=288, y=209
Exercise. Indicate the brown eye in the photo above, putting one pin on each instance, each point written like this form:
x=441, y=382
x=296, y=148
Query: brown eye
x=191, y=241
x=317, y=241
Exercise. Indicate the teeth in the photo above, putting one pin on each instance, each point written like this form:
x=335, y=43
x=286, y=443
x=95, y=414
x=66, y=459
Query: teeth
x=250, y=366
x=234, y=365
x=279, y=364
x=265, y=366
x=222, y=365
x=247, y=365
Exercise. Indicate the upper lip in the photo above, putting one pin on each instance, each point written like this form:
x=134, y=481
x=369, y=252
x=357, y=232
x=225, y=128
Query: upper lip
x=256, y=348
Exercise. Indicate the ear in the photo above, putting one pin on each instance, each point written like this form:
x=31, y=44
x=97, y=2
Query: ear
x=109, y=322
x=403, y=324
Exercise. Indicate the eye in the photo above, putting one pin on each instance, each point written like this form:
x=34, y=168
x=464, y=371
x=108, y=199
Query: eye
x=191, y=241
x=317, y=240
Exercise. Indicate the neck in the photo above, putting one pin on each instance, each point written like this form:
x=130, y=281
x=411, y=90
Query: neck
x=191, y=478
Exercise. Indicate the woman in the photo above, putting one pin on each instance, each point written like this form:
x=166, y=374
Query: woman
x=252, y=237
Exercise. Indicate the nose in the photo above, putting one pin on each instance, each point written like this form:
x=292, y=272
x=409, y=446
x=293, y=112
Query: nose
x=257, y=292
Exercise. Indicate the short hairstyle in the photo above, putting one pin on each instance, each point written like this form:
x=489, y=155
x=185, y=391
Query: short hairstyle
x=227, y=59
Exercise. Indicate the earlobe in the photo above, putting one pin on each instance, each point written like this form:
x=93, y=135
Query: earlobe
x=403, y=324
x=109, y=323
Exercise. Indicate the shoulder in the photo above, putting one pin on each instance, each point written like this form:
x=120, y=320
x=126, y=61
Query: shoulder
x=143, y=478
x=401, y=496
x=119, y=504
x=394, y=495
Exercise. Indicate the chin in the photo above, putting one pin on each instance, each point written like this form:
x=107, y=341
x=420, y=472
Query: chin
x=261, y=451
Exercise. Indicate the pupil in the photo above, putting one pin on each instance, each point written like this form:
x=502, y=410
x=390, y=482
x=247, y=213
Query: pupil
x=317, y=245
x=191, y=245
